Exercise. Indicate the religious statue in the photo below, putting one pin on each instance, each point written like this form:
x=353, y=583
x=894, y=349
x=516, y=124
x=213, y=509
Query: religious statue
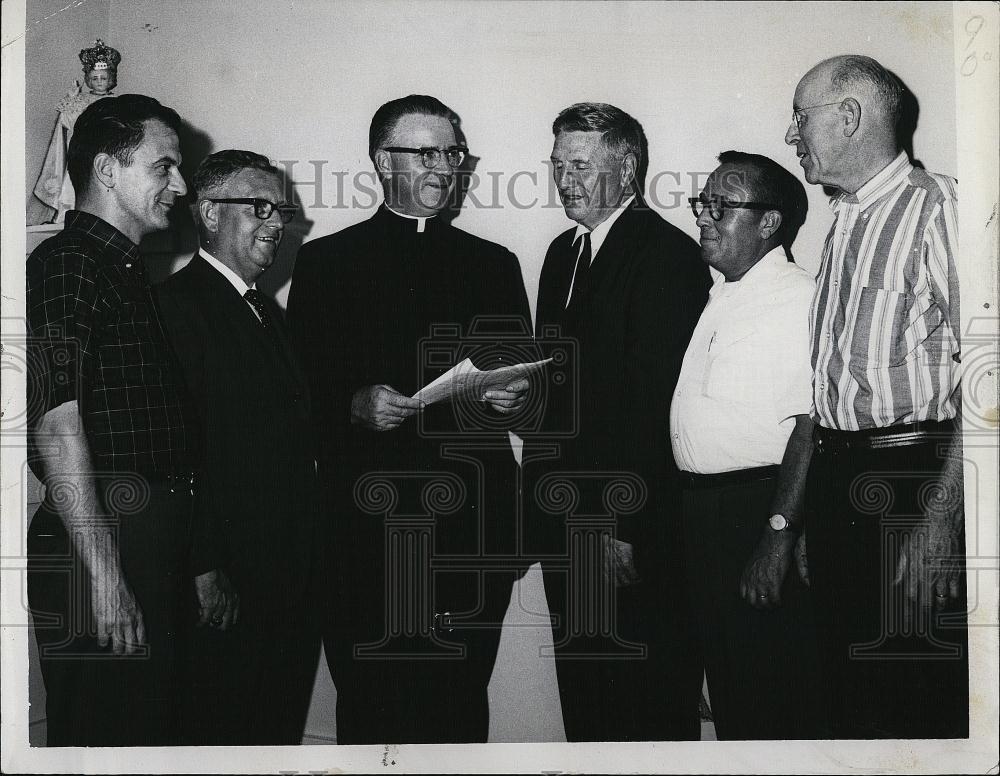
x=100, y=71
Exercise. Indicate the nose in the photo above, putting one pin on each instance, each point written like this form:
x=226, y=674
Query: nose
x=177, y=184
x=274, y=221
x=563, y=177
x=792, y=133
x=442, y=164
x=704, y=218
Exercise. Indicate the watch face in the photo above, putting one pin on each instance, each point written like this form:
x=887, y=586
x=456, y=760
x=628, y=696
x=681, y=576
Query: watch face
x=778, y=522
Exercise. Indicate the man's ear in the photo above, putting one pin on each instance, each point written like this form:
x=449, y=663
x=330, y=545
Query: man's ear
x=627, y=172
x=105, y=168
x=208, y=214
x=852, y=115
x=383, y=164
x=770, y=222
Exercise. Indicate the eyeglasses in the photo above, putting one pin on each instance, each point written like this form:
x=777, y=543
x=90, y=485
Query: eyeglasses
x=262, y=208
x=431, y=156
x=717, y=206
x=798, y=117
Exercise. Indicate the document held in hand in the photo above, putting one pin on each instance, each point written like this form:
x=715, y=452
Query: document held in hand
x=465, y=381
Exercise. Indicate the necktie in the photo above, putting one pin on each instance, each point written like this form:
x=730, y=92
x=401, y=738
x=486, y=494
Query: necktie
x=582, y=271
x=256, y=300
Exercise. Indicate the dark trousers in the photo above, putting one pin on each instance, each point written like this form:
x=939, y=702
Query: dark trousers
x=94, y=697
x=885, y=680
x=761, y=665
x=626, y=658
x=251, y=684
x=416, y=678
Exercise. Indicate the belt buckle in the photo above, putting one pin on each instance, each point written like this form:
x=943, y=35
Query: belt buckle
x=441, y=625
x=176, y=479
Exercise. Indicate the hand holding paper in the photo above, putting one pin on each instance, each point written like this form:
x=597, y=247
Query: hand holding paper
x=503, y=387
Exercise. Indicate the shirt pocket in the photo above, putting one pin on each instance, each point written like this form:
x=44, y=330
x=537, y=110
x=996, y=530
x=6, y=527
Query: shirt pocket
x=881, y=319
x=732, y=370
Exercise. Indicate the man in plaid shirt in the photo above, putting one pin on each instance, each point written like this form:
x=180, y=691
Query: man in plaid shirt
x=112, y=441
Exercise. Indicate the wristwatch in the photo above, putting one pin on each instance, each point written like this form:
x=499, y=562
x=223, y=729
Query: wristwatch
x=780, y=523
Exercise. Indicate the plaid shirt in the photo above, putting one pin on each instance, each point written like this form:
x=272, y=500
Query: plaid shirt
x=884, y=324
x=95, y=337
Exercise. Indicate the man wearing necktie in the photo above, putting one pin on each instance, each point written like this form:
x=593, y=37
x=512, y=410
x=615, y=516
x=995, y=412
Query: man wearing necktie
x=626, y=288
x=256, y=641
x=420, y=502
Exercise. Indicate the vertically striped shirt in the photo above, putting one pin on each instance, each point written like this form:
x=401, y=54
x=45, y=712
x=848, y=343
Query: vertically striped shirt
x=884, y=322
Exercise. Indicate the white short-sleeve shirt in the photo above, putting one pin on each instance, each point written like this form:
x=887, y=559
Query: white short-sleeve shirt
x=746, y=371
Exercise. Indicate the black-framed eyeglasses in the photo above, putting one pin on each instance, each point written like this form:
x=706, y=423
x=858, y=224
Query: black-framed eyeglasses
x=262, y=208
x=717, y=206
x=430, y=157
x=798, y=114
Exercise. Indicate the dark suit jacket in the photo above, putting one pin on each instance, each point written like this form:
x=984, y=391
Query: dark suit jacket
x=630, y=328
x=255, y=498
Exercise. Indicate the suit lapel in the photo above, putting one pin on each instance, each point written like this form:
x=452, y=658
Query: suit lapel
x=624, y=233
x=238, y=310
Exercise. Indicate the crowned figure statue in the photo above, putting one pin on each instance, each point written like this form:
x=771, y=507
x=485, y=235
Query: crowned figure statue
x=100, y=74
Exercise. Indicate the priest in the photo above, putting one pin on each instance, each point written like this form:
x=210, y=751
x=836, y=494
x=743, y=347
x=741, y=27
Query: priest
x=420, y=500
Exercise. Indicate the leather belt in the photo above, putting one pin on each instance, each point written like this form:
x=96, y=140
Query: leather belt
x=737, y=477
x=835, y=441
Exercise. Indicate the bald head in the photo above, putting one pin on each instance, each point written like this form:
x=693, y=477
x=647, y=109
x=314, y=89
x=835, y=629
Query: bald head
x=854, y=75
x=846, y=112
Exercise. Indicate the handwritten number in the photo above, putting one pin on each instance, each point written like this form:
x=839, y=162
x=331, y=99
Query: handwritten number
x=976, y=22
x=967, y=68
x=972, y=27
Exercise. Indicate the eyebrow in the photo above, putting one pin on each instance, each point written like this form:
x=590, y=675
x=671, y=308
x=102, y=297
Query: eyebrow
x=173, y=160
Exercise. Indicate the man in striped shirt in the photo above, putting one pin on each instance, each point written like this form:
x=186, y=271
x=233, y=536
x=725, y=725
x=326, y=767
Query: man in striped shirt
x=886, y=520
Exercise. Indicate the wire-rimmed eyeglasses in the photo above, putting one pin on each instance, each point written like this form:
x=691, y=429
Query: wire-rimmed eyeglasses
x=798, y=114
x=430, y=156
x=262, y=208
x=717, y=206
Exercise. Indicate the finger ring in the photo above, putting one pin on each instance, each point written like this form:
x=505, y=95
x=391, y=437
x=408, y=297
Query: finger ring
x=762, y=595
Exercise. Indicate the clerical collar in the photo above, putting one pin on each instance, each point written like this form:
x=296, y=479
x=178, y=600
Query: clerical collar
x=421, y=220
x=236, y=281
x=599, y=232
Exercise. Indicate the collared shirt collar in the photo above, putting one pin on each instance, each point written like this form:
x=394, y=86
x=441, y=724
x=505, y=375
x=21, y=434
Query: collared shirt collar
x=236, y=281
x=600, y=232
x=421, y=220
x=773, y=259
x=104, y=232
x=888, y=178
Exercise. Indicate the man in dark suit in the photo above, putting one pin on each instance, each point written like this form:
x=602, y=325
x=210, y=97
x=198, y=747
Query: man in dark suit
x=421, y=502
x=626, y=288
x=256, y=643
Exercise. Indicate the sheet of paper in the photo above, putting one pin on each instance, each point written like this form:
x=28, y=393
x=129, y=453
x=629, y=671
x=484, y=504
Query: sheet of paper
x=465, y=381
